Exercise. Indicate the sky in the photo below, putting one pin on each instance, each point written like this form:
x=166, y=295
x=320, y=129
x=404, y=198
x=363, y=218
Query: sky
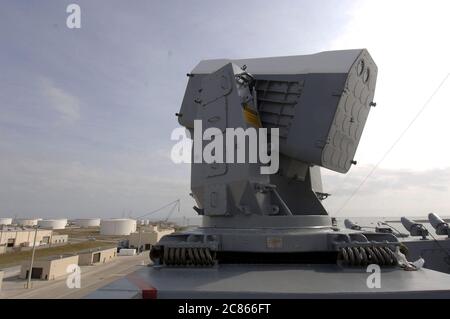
x=86, y=114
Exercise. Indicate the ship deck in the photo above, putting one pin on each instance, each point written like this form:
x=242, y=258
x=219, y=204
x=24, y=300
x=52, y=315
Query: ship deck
x=275, y=281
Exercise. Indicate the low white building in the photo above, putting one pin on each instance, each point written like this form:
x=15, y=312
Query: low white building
x=49, y=268
x=17, y=237
x=127, y=252
x=59, y=239
x=97, y=256
x=147, y=237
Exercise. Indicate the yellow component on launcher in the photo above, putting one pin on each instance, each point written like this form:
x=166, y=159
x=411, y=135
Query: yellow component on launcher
x=251, y=116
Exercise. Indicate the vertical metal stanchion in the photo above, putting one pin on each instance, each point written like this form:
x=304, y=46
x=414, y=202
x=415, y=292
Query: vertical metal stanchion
x=32, y=258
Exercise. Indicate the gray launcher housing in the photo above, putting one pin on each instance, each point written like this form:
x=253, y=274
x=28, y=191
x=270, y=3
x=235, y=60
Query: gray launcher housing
x=320, y=104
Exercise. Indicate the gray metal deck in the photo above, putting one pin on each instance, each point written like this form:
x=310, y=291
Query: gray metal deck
x=277, y=281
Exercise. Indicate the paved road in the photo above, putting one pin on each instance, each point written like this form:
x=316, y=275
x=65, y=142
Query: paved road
x=92, y=278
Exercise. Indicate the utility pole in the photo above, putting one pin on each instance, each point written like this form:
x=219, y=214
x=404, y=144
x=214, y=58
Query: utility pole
x=32, y=258
x=139, y=242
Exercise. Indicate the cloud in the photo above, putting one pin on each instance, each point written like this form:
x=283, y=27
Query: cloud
x=62, y=102
x=384, y=179
x=394, y=192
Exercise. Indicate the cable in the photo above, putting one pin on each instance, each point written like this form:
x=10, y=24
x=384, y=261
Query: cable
x=157, y=210
x=177, y=205
x=393, y=145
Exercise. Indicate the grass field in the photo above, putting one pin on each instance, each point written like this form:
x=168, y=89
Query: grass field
x=83, y=233
x=16, y=258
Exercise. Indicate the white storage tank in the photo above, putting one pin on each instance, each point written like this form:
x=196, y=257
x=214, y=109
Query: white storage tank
x=53, y=223
x=26, y=221
x=117, y=226
x=87, y=222
x=5, y=221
